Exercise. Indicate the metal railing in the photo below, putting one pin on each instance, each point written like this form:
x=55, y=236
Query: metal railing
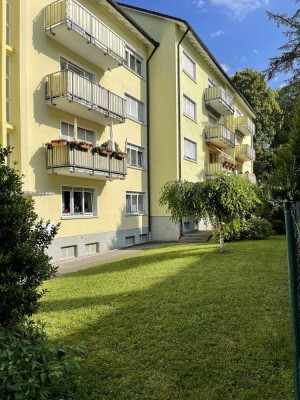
x=70, y=156
x=82, y=90
x=214, y=168
x=86, y=24
x=246, y=122
x=218, y=92
x=246, y=150
x=219, y=132
x=292, y=218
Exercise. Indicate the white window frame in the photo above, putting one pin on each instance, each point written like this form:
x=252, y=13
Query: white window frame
x=70, y=137
x=237, y=112
x=8, y=89
x=132, y=148
x=132, y=108
x=77, y=69
x=135, y=195
x=72, y=212
x=131, y=54
x=210, y=82
x=187, y=155
x=187, y=104
x=210, y=117
x=186, y=57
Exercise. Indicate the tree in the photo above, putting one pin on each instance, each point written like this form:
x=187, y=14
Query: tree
x=24, y=264
x=264, y=102
x=289, y=60
x=221, y=200
x=285, y=178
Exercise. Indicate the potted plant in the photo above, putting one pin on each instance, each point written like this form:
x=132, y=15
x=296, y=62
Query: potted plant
x=84, y=145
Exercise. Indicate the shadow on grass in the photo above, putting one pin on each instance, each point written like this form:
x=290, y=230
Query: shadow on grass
x=195, y=332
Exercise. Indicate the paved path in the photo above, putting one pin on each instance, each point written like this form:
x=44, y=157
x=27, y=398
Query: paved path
x=76, y=264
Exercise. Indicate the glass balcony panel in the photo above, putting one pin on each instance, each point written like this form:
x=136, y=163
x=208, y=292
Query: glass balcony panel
x=219, y=100
x=72, y=25
x=72, y=161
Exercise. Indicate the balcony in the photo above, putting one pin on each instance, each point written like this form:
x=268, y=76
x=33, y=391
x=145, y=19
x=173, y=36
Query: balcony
x=71, y=161
x=73, y=26
x=220, y=136
x=219, y=100
x=214, y=168
x=245, y=152
x=245, y=125
x=74, y=94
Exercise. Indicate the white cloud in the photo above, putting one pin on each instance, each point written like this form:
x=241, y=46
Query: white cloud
x=255, y=51
x=237, y=8
x=243, y=59
x=225, y=67
x=217, y=33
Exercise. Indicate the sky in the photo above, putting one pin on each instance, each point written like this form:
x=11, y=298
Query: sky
x=237, y=32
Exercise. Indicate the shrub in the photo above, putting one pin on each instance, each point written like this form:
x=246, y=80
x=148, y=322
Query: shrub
x=255, y=228
x=29, y=364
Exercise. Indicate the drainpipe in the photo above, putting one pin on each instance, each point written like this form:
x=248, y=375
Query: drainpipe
x=148, y=139
x=179, y=113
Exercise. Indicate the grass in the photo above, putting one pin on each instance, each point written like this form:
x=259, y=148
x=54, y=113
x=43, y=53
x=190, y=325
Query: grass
x=182, y=322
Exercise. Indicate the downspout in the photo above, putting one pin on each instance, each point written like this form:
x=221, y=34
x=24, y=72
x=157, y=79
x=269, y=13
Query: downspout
x=179, y=113
x=148, y=139
x=179, y=102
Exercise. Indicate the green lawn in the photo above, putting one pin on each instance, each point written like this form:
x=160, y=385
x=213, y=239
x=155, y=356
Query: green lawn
x=181, y=322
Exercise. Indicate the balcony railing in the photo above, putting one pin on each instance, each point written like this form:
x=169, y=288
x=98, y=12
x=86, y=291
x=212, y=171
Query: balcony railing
x=72, y=25
x=245, y=152
x=214, y=168
x=75, y=94
x=245, y=125
x=219, y=135
x=221, y=101
x=71, y=160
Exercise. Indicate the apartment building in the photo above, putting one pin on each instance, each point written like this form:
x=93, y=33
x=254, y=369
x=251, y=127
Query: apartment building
x=200, y=124
x=104, y=104
x=75, y=81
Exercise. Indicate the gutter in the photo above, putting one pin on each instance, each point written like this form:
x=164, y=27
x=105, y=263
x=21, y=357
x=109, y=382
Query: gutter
x=148, y=139
x=179, y=101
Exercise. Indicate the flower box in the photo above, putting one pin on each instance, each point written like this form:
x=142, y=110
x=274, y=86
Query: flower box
x=59, y=142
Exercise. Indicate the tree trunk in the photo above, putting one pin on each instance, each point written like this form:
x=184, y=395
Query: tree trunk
x=221, y=238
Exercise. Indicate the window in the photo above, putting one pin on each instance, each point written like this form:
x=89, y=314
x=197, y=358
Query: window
x=65, y=64
x=190, y=149
x=213, y=157
x=67, y=132
x=8, y=22
x=134, y=62
x=8, y=89
x=78, y=202
x=237, y=112
x=68, y=252
x=130, y=240
x=212, y=120
x=135, y=156
x=189, y=107
x=143, y=238
x=134, y=108
x=135, y=203
x=210, y=83
x=92, y=248
x=188, y=65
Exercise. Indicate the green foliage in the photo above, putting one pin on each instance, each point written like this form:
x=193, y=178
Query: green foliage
x=177, y=196
x=264, y=102
x=254, y=228
x=285, y=178
x=23, y=241
x=224, y=199
x=29, y=364
x=289, y=60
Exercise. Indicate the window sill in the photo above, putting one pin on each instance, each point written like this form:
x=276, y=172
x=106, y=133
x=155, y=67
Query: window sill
x=191, y=160
x=134, y=167
x=135, y=73
x=135, y=120
x=190, y=76
x=189, y=117
x=71, y=217
x=136, y=214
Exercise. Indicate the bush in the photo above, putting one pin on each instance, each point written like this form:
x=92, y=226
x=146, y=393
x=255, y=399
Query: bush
x=29, y=364
x=255, y=228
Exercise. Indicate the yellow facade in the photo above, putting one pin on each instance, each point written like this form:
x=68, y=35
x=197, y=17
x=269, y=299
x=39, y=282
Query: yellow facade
x=75, y=70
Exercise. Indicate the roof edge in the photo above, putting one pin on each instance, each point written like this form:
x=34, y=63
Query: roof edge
x=199, y=40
